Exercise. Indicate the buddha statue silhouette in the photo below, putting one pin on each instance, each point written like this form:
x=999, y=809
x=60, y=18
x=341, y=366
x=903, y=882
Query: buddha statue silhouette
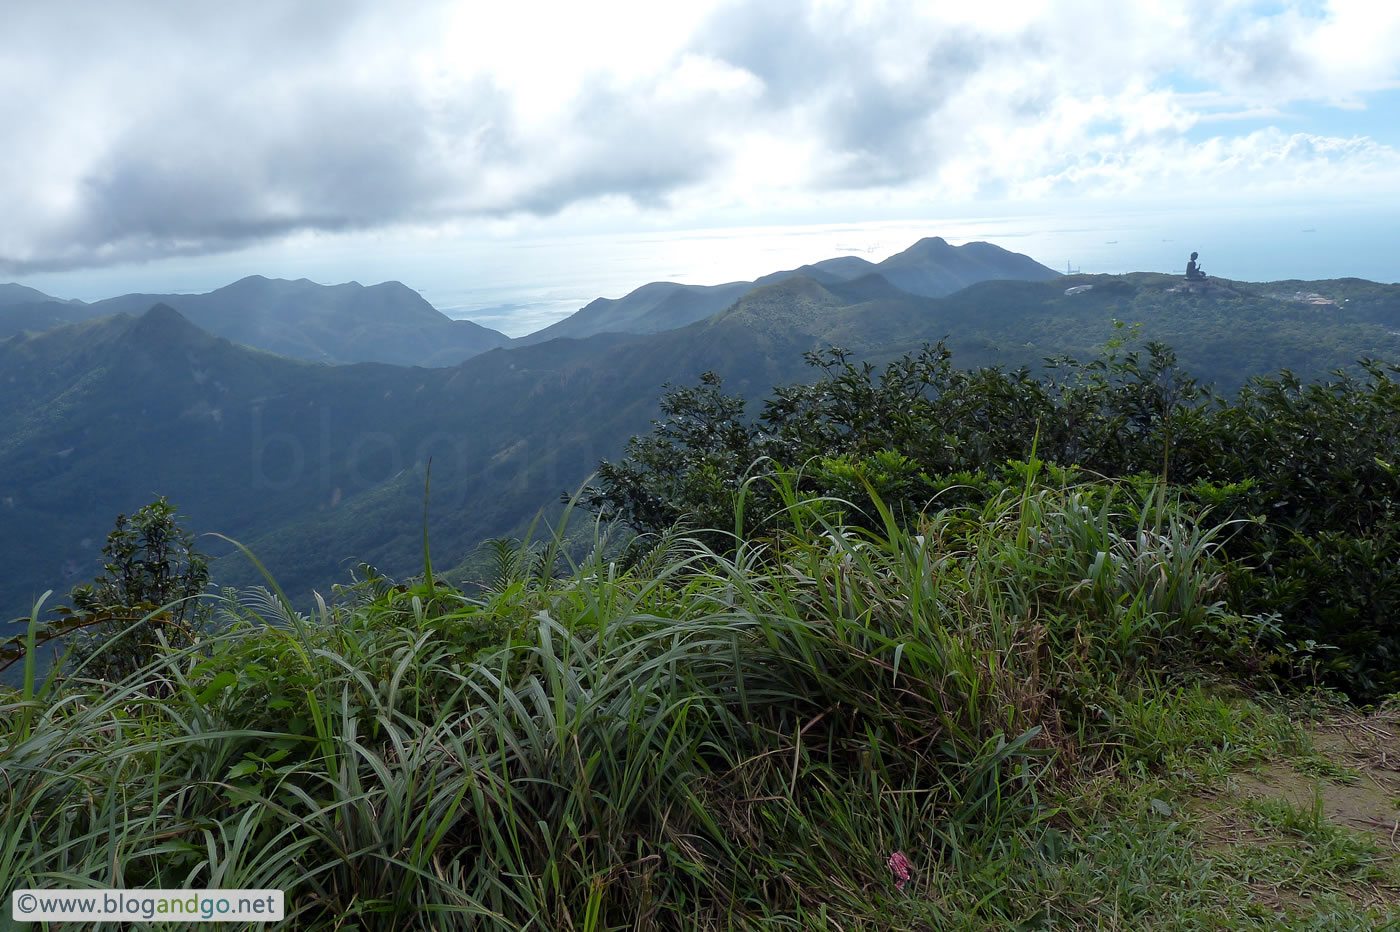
x=1193, y=271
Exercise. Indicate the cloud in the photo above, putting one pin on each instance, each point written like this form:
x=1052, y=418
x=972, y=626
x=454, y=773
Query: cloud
x=1266, y=163
x=152, y=129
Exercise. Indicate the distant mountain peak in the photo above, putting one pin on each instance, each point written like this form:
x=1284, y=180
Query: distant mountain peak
x=343, y=323
x=932, y=267
x=164, y=326
x=163, y=315
x=796, y=285
x=929, y=268
x=790, y=299
x=246, y=284
x=12, y=293
x=261, y=285
x=391, y=286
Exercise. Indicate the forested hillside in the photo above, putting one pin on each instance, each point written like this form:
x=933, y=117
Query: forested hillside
x=319, y=465
x=845, y=704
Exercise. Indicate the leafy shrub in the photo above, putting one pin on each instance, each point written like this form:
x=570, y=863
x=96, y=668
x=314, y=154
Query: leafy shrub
x=1344, y=592
x=699, y=740
x=1308, y=471
x=152, y=579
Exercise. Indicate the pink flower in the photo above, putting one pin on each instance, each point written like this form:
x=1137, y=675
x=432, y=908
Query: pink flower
x=901, y=868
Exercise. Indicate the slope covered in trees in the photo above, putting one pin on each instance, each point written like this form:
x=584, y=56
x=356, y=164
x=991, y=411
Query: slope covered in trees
x=904, y=643
x=316, y=466
x=1305, y=475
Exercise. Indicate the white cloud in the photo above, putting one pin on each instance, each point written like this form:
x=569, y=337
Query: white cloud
x=151, y=129
x=1266, y=162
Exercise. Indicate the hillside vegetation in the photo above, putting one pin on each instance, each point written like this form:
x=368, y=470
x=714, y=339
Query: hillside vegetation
x=1023, y=699
x=920, y=648
x=317, y=466
x=1304, y=474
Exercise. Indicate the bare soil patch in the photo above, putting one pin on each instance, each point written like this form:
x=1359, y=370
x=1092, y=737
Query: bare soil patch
x=1352, y=781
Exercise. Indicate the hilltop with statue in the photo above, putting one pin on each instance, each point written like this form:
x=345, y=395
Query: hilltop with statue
x=1197, y=282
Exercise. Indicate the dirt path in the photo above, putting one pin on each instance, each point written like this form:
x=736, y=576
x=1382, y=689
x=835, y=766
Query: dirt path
x=1318, y=826
x=1362, y=793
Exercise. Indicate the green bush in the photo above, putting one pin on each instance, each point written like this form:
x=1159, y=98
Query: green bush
x=149, y=589
x=1307, y=471
x=703, y=743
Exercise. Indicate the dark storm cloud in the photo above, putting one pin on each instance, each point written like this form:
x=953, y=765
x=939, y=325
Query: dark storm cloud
x=775, y=42
x=328, y=160
x=214, y=146
x=891, y=133
x=229, y=172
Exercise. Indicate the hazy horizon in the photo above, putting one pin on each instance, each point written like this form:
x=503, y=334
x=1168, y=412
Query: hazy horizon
x=514, y=163
x=519, y=285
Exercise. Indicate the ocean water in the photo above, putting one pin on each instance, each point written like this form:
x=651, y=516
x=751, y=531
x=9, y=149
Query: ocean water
x=531, y=284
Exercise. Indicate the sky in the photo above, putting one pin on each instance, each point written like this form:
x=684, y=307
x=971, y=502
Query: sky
x=163, y=146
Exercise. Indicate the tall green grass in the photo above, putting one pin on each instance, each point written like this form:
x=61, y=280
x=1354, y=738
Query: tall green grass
x=693, y=740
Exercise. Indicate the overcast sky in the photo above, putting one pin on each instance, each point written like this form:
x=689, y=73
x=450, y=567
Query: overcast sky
x=134, y=131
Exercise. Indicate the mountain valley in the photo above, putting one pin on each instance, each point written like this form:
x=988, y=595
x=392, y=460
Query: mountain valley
x=314, y=466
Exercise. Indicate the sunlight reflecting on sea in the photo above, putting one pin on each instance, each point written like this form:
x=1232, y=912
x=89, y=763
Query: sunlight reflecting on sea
x=526, y=285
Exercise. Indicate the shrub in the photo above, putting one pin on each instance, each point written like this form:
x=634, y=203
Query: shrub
x=151, y=581
x=1308, y=471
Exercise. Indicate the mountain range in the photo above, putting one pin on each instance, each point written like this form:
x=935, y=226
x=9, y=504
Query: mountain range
x=930, y=268
x=315, y=465
x=392, y=323
x=346, y=323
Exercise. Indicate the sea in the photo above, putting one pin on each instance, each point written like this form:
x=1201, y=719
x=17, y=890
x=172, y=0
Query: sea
x=526, y=285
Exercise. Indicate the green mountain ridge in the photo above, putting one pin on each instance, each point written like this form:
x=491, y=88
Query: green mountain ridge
x=313, y=465
x=929, y=268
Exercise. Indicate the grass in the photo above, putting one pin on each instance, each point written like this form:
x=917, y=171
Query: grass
x=1021, y=698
